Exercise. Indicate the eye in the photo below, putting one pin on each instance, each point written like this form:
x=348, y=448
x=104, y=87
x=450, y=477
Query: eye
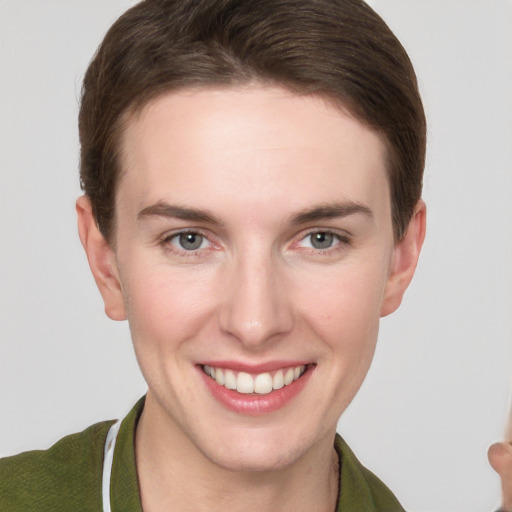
x=320, y=240
x=189, y=241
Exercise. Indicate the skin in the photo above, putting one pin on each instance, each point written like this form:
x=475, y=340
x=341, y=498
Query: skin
x=500, y=457
x=255, y=159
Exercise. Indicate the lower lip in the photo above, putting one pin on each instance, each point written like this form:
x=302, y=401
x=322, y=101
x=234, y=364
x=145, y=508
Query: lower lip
x=253, y=404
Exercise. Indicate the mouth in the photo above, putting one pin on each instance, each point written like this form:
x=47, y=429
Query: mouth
x=255, y=383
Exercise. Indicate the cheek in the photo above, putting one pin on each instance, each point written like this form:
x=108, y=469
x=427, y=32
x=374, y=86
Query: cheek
x=164, y=306
x=343, y=315
x=344, y=309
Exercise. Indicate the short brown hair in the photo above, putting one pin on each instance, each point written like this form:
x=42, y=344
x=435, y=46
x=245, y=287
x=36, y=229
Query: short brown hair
x=339, y=49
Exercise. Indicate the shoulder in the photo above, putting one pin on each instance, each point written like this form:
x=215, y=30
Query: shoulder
x=66, y=476
x=360, y=488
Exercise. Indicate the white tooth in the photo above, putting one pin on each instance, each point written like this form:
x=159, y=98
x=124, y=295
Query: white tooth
x=263, y=383
x=244, y=383
x=288, y=376
x=296, y=373
x=219, y=376
x=278, y=380
x=229, y=379
x=208, y=370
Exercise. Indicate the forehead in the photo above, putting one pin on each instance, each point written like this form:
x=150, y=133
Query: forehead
x=250, y=145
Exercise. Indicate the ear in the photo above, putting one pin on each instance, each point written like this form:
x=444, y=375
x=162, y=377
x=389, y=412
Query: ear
x=405, y=258
x=102, y=260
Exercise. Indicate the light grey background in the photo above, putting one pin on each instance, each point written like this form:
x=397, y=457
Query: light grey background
x=438, y=392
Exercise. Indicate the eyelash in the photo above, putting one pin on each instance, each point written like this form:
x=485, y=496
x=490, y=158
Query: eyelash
x=342, y=242
x=166, y=242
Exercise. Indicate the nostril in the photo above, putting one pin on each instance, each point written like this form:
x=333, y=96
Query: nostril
x=254, y=309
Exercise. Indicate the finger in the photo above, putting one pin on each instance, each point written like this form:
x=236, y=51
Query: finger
x=500, y=457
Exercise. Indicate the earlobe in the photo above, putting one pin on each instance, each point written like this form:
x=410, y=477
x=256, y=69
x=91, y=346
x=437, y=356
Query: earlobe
x=101, y=259
x=405, y=259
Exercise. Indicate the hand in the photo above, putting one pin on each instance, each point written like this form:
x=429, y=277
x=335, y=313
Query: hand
x=500, y=457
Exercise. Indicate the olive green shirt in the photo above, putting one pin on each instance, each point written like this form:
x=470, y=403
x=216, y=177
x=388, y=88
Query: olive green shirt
x=68, y=476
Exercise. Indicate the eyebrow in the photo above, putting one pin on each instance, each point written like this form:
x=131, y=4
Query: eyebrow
x=321, y=212
x=330, y=211
x=163, y=209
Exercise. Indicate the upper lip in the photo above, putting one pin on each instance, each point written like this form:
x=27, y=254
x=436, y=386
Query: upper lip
x=268, y=366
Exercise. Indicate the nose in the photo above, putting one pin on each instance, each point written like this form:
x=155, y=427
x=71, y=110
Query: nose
x=256, y=309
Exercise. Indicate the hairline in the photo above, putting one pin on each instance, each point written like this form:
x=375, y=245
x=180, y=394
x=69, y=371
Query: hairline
x=135, y=109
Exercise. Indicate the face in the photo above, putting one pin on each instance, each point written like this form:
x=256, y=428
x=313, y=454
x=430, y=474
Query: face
x=254, y=257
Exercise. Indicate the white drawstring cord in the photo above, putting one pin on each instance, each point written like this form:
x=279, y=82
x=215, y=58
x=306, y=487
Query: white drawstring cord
x=110, y=443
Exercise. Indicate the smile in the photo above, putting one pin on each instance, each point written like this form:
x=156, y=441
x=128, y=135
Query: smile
x=260, y=384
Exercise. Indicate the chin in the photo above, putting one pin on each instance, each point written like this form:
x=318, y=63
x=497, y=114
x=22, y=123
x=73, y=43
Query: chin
x=255, y=459
x=255, y=451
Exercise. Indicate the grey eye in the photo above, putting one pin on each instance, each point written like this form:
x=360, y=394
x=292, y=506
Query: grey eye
x=322, y=240
x=190, y=241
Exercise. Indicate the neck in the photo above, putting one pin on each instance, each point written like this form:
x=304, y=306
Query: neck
x=174, y=475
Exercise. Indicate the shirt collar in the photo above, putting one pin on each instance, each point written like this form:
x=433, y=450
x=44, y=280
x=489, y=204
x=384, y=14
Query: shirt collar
x=354, y=490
